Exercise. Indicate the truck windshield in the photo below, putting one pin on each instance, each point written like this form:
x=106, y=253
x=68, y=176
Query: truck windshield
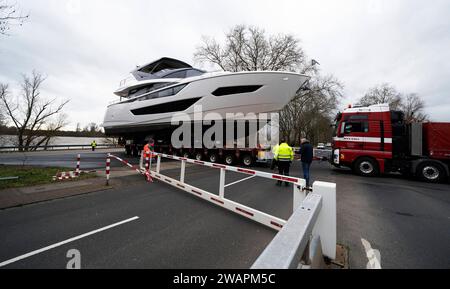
x=336, y=124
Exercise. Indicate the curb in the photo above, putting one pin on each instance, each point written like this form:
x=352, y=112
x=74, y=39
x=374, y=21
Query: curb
x=20, y=200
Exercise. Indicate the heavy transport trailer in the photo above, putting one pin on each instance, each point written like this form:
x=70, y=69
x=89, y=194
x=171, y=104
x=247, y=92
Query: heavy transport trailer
x=228, y=156
x=375, y=140
x=135, y=141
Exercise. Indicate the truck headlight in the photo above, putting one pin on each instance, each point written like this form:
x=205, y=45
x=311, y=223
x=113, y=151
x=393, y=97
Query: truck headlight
x=336, y=155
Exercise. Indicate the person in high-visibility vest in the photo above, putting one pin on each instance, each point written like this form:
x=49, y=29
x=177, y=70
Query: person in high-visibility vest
x=93, y=145
x=274, y=152
x=284, y=157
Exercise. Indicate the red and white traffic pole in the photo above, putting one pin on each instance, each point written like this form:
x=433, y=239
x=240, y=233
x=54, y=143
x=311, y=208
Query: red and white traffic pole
x=108, y=168
x=147, y=167
x=77, y=171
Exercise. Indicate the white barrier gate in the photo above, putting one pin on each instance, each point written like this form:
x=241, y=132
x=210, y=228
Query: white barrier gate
x=313, y=221
x=314, y=215
x=220, y=200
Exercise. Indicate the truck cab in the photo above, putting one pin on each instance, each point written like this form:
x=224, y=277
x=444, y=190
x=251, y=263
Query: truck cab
x=373, y=140
x=363, y=139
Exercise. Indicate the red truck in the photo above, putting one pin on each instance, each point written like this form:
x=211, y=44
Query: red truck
x=375, y=140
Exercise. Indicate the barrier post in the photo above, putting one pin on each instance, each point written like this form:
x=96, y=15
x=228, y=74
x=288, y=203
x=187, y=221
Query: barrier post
x=147, y=168
x=299, y=196
x=326, y=222
x=151, y=160
x=108, y=168
x=147, y=163
x=158, y=164
x=77, y=171
x=222, y=183
x=183, y=169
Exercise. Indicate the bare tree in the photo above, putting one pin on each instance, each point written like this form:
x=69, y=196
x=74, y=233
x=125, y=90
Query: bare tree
x=249, y=48
x=10, y=16
x=310, y=113
x=31, y=114
x=413, y=107
x=411, y=104
x=2, y=127
x=92, y=128
x=384, y=93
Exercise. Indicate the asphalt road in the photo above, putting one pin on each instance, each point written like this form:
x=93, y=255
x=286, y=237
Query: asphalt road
x=406, y=220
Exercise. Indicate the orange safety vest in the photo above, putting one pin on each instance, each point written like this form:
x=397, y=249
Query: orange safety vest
x=147, y=151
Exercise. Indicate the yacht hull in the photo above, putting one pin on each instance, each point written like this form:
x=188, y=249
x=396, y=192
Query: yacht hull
x=212, y=95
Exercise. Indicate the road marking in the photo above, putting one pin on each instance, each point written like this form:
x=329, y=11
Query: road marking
x=239, y=181
x=7, y=262
x=373, y=255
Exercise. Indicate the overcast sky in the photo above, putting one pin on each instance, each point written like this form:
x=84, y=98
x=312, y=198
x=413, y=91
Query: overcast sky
x=86, y=47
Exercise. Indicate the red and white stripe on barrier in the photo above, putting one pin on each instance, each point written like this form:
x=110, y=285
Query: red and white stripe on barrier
x=255, y=215
x=108, y=168
x=70, y=175
x=64, y=176
x=220, y=200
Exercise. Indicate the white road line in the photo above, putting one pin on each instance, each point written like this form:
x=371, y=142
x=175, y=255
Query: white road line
x=239, y=181
x=373, y=255
x=7, y=262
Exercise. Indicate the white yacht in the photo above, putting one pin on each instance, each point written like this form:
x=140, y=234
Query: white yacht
x=161, y=88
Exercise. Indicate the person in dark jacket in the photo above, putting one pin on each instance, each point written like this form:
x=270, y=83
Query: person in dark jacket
x=306, y=156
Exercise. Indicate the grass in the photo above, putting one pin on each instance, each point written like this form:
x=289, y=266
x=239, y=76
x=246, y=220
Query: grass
x=31, y=176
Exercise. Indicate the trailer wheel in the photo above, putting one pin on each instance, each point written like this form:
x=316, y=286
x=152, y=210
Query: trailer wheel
x=247, y=160
x=213, y=158
x=431, y=172
x=198, y=156
x=366, y=167
x=229, y=159
x=186, y=155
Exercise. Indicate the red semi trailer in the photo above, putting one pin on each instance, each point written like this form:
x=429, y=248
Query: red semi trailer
x=374, y=140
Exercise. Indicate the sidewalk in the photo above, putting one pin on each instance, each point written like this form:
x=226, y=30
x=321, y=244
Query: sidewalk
x=15, y=197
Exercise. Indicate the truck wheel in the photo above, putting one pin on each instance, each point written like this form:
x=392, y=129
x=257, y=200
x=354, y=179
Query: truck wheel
x=229, y=160
x=213, y=158
x=366, y=167
x=247, y=160
x=198, y=156
x=128, y=151
x=430, y=172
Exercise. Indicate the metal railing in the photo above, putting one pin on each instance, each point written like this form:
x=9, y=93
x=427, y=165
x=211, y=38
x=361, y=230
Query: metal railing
x=59, y=147
x=312, y=224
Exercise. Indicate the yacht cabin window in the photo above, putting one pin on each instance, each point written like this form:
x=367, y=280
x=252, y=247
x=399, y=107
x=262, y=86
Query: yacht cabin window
x=163, y=93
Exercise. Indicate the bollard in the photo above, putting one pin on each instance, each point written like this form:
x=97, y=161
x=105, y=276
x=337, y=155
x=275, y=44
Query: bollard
x=147, y=168
x=158, y=164
x=108, y=168
x=77, y=171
